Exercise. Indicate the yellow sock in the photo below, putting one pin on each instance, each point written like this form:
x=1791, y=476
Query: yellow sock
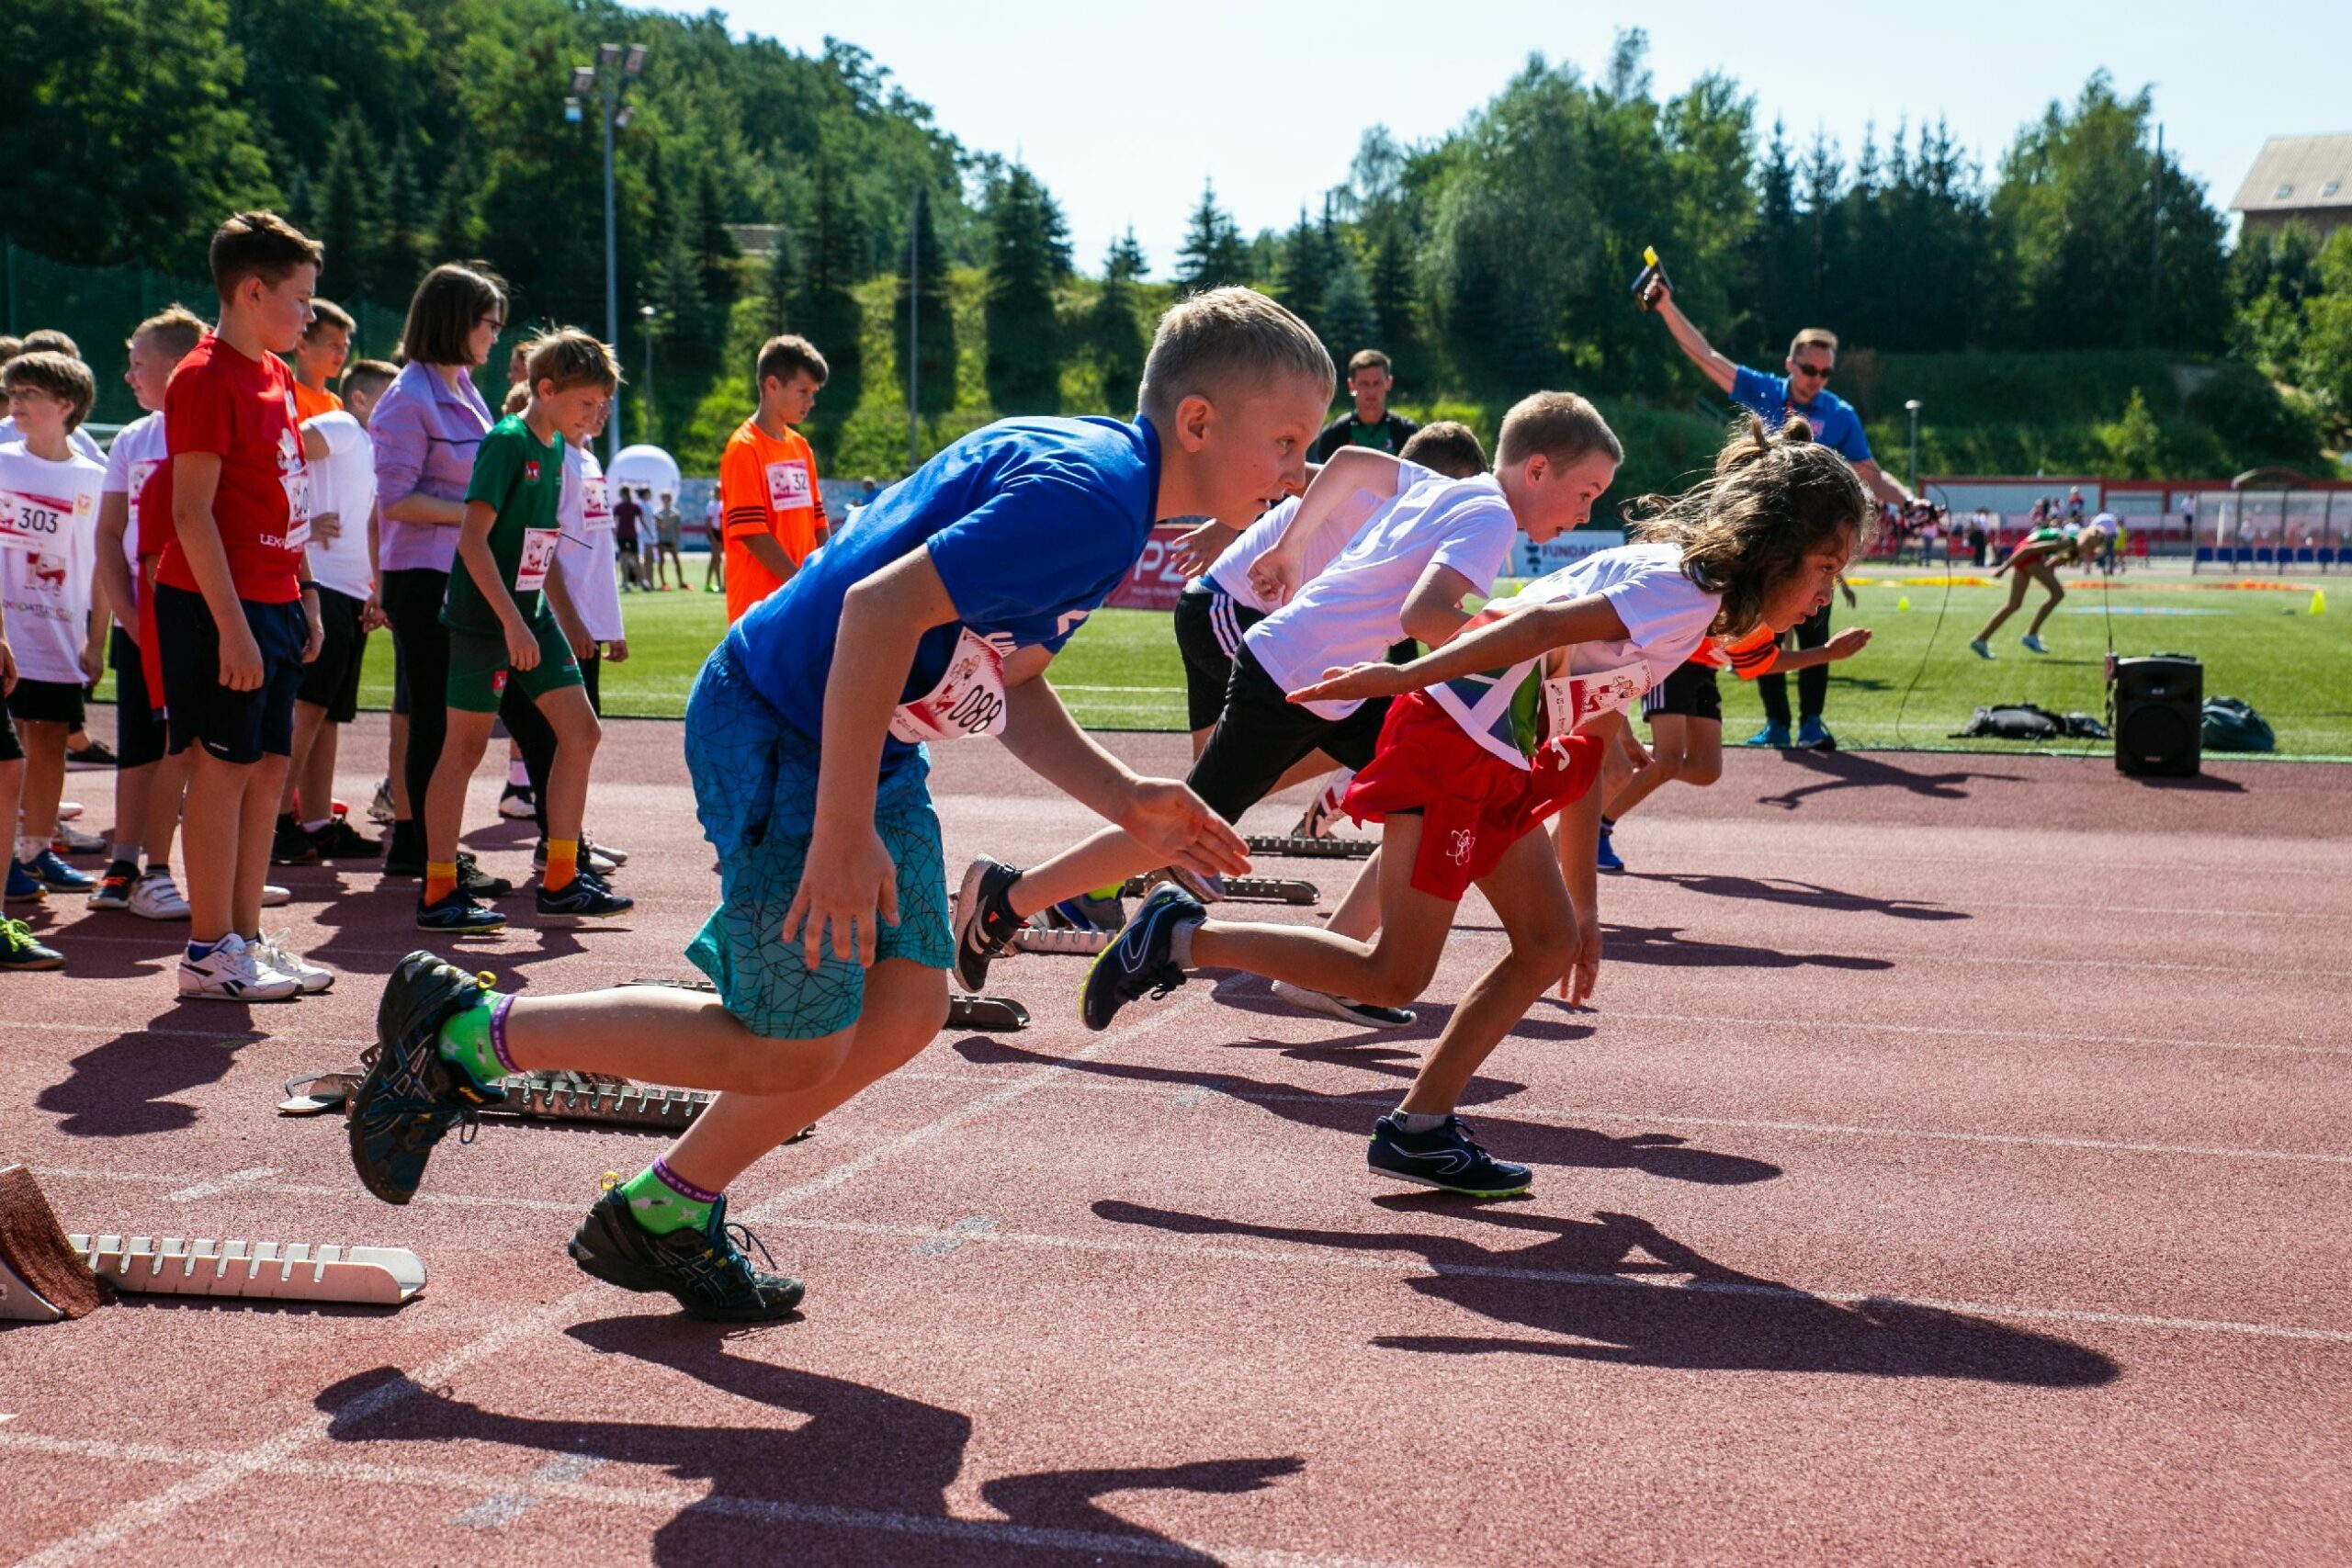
x=563, y=865
x=440, y=880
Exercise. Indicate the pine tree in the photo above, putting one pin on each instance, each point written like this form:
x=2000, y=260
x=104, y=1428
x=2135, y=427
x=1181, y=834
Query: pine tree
x=350, y=207
x=1114, y=327
x=1214, y=253
x=781, y=285
x=1392, y=287
x=403, y=255
x=716, y=252
x=1028, y=256
x=825, y=311
x=1348, y=321
x=1308, y=263
x=457, y=220
x=930, y=308
x=681, y=310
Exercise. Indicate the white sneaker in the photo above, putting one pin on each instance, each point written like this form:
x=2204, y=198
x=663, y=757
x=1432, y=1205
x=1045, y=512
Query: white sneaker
x=69, y=809
x=380, y=808
x=272, y=949
x=600, y=850
x=272, y=896
x=233, y=972
x=1323, y=1004
x=68, y=840
x=154, y=897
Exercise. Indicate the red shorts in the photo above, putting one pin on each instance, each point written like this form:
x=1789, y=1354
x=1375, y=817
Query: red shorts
x=1473, y=805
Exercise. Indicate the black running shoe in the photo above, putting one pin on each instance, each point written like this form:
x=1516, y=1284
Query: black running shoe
x=1446, y=1156
x=586, y=897
x=1140, y=961
x=457, y=914
x=476, y=883
x=404, y=849
x=412, y=1097
x=707, y=1269
x=291, y=846
x=984, y=922
x=340, y=840
x=113, y=891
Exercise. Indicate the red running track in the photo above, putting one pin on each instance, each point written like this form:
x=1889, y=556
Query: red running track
x=1959, y=1166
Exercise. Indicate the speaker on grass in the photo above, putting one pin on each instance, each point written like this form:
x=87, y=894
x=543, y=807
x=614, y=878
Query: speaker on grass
x=2159, y=715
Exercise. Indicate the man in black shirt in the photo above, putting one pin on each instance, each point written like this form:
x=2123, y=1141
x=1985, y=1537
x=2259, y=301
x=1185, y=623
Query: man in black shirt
x=1370, y=424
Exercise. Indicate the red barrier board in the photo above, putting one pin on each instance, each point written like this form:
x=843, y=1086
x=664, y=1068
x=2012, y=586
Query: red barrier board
x=1155, y=582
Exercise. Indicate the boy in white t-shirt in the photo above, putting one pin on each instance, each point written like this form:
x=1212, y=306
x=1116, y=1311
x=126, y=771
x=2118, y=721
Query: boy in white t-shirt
x=584, y=593
x=1492, y=734
x=49, y=521
x=343, y=563
x=149, y=779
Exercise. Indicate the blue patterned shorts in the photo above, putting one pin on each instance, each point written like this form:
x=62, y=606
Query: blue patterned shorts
x=755, y=793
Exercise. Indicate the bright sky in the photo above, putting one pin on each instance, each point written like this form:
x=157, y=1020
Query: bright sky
x=1123, y=109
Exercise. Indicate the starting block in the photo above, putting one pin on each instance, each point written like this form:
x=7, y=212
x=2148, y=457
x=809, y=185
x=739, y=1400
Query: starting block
x=1060, y=940
x=988, y=1014
x=1241, y=889
x=48, y=1275
x=1300, y=846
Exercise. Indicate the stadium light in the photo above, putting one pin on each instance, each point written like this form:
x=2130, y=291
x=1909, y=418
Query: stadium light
x=584, y=81
x=1912, y=407
x=633, y=63
x=608, y=54
x=606, y=82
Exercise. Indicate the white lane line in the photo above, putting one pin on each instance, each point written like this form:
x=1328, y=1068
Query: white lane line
x=213, y=1188
x=228, y=1470
x=2035, y=1036
x=503, y=1508
x=673, y=1500
x=1418, y=1267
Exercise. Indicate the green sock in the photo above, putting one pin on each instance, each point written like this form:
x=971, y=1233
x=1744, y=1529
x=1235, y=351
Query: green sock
x=660, y=1202
x=465, y=1039
x=1112, y=891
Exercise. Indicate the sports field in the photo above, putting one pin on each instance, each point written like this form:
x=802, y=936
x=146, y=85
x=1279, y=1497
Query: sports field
x=2260, y=644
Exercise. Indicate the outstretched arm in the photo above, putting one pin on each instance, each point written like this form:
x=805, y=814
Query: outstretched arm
x=1520, y=636
x=1870, y=474
x=1693, y=342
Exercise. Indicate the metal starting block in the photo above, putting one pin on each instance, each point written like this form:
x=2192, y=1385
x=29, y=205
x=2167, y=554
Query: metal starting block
x=1060, y=940
x=998, y=1014
x=579, y=1097
x=1241, y=889
x=1299, y=846
x=47, y=1275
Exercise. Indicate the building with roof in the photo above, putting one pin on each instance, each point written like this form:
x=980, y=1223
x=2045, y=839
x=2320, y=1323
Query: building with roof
x=2299, y=179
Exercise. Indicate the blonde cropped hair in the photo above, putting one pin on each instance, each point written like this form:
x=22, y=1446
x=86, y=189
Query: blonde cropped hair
x=1227, y=340
x=570, y=357
x=1559, y=427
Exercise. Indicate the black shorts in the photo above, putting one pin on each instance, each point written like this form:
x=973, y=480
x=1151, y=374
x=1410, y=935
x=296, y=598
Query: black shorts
x=47, y=702
x=1261, y=733
x=236, y=726
x=138, y=731
x=1689, y=692
x=1209, y=624
x=332, y=680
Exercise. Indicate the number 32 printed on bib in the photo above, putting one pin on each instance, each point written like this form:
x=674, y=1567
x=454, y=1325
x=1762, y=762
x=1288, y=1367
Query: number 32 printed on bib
x=787, y=485
x=969, y=700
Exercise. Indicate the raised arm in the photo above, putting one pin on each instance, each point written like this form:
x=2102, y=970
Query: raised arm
x=1693, y=342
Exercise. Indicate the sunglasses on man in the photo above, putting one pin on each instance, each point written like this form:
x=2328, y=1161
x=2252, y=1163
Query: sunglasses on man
x=1816, y=372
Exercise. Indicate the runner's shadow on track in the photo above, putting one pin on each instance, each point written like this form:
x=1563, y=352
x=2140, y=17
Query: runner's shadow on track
x=822, y=1453
x=1580, y=1279
x=1662, y=945
x=124, y=1086
x=1661, y=1155
x=1800, y=895
x=1853, y=770
x=1247, y=993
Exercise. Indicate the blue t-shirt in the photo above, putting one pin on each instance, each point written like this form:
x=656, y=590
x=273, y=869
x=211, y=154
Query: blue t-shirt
x=1031, y=523
x=1834, y=423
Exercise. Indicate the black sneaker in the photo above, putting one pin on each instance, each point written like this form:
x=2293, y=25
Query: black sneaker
x=1140, y=961
x=412, y=1097
x=457, y=914
x=585, y=897
x=113, y=891
x=405, y=857
x=985, y=923
x=291, y=846
x=340, y=840
x=1446, y=1156
x=476, y=883
x=705, y=1268
x=404, y=849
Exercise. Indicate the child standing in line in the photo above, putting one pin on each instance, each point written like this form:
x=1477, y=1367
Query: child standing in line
x=585, y=595
x=767, y=478
x=319, y=359
x=1501, y=728
x=933, y=620
x=501, y=629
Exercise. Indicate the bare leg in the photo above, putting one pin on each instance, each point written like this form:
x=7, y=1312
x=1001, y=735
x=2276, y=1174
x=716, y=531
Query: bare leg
x=1358, y=915
x=1314, y=766
x=576, y=735
x=308, y=720
x=164, y=799
x=44, y=745
x=1103, y=857
x=216, y=816
x=444, y=801
x=396, y=760
x=1527, y=892
x=1390, y=971
x=315, y=788
x=133, y=788
x=1669, y=735
x=2017, y=580
x=2057, y=596
x=12, y=792
x=255, y=831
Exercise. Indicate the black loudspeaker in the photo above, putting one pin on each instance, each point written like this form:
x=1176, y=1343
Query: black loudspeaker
x=2159, y=715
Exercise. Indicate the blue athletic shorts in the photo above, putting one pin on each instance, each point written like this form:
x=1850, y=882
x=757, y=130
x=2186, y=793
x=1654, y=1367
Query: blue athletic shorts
x=755, y=792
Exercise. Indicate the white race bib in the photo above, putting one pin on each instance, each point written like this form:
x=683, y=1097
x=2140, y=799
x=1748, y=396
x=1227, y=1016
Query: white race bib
x=1571, y=701
x=141, y=472
x=788, y=485
x=297, y=507
x=539, y=554
x=969, y=700
x=32, y=522
x=595, y=507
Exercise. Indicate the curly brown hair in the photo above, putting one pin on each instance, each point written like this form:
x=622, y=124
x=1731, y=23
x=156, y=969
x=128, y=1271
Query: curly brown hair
x=1775, y=497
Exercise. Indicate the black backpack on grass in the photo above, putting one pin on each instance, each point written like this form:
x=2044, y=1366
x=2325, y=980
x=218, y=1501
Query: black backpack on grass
x=2234, y=726
x=2027, y=721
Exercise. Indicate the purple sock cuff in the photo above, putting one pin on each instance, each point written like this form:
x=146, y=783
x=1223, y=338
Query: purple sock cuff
x=498, y=1032
x=679, y=1184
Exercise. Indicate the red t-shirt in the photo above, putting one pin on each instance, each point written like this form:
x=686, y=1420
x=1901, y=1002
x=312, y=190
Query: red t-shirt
x=242, y=411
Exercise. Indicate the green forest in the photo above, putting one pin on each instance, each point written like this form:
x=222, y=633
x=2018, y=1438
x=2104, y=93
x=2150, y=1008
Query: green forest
x=2077, y=307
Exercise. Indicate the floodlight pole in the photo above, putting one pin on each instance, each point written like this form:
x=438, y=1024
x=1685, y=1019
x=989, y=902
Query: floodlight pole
x=615, y=69
x=645, y=404
x=1912, y=407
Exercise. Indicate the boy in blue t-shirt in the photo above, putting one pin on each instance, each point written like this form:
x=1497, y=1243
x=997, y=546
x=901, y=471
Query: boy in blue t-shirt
x=830, y=944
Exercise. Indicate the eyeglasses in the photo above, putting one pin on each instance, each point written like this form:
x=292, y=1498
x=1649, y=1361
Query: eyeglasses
x=495, y=323
x=1818, y=372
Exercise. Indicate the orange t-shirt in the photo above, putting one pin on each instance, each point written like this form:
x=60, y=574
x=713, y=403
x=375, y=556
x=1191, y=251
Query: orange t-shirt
x=766, y=486
x=1756, y=654
x=308, y=404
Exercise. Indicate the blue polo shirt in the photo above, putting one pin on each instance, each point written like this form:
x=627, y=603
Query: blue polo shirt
x=1031, y=523
x=1834, y=423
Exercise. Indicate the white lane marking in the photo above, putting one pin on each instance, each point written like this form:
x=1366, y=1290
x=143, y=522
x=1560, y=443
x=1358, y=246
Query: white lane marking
x=955, y=1236
x=2037, y=1036
x=230, y=1468
x=213, y=1188
x=503, y=1508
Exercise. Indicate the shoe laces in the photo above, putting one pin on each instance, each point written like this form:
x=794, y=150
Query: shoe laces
x=15, y=933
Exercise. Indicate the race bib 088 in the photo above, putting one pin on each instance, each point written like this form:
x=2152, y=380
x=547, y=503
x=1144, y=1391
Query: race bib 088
x=969, y=700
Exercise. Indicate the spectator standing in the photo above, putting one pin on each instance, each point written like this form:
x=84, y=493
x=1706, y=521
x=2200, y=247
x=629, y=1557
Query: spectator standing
x=1370, y=422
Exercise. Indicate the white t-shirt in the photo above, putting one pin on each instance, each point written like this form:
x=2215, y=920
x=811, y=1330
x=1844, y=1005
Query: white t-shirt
x=344, y=484
x=1666, y=615
x=1349, y=612
x=49, y=530
x=130, y=462
x=85, y=444
x=585, y=550
x=1230, y=574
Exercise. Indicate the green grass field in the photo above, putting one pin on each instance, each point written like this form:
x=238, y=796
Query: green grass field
x=1121, y=670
